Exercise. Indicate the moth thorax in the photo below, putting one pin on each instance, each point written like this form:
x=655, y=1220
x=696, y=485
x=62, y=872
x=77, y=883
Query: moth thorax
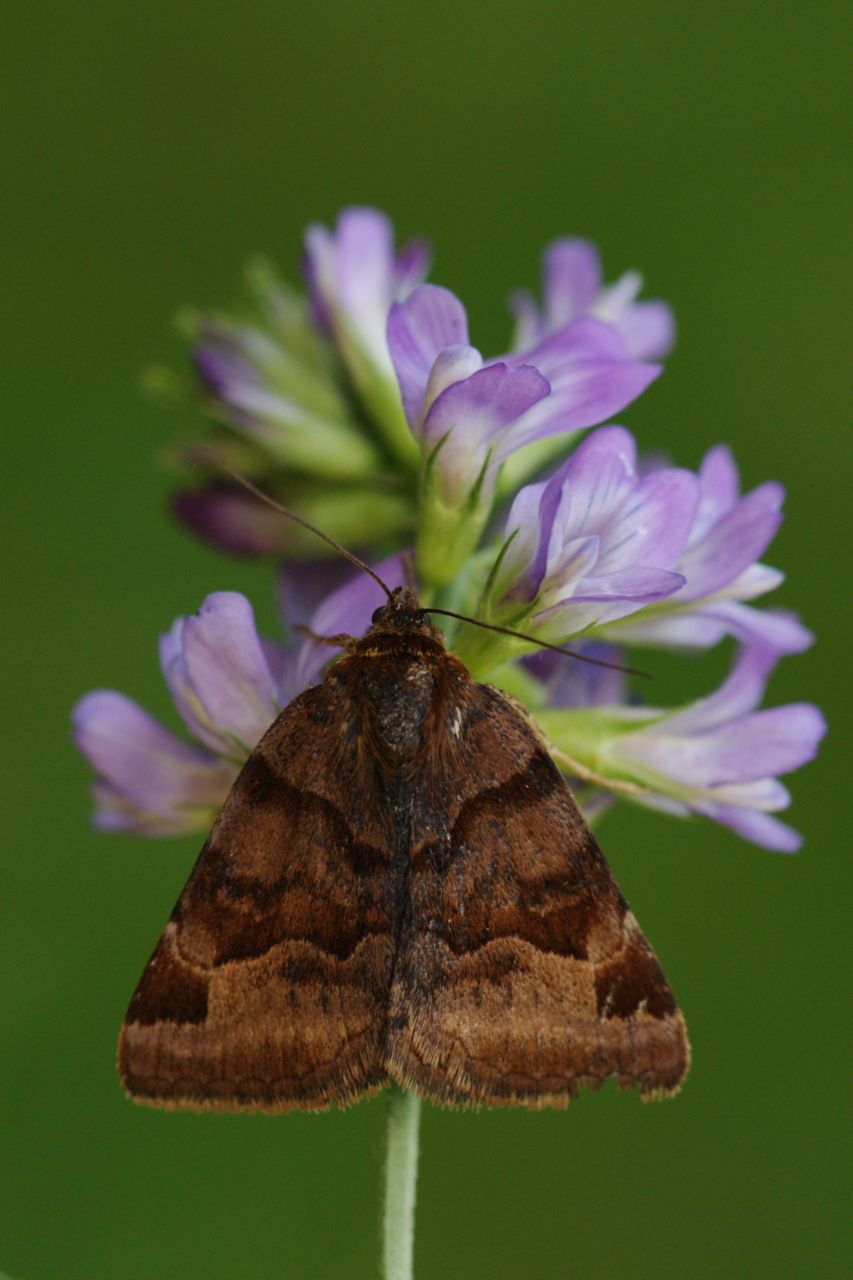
x=397, y=697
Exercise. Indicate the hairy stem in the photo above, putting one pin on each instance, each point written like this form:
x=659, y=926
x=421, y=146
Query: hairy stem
x=401, y=1174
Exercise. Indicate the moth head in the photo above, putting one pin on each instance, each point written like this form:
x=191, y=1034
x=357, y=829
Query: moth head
x=401, y=612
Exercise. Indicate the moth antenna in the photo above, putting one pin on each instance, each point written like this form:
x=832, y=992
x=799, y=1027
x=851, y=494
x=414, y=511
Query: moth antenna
x=291, y=515
x=543, y=644
x=409, y=571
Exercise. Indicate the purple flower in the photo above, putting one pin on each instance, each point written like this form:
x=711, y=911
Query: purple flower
x=471, y=415
x=148, y=780
x=720, y=564
x=225, y=514
x=573, y=288
x=720, y=756
x=717, y=757
x=596, y=542
x=273, y=378
x=571, y=682
x=353, y=277
x=228, y=684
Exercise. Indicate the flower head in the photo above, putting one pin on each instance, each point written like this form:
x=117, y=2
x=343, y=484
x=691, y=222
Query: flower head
x=304, y=397
x=228, y=685
x=365, y=409
x=573, y=287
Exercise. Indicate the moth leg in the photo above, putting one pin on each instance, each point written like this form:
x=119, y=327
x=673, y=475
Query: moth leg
x=589, y=775
x=338, y=642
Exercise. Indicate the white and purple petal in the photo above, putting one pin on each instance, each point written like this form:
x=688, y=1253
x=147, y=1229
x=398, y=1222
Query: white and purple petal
x=648, y=329
x=733, y=542
x=573, y=288
x=218, y=674
x=148, y=779
x=572, y=278
x=588, y=392
x=418, y=330
x=704, y=625
x=759, y=828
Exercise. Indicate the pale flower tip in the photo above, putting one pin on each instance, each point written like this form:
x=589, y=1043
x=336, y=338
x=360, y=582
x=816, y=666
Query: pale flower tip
x=573, y=289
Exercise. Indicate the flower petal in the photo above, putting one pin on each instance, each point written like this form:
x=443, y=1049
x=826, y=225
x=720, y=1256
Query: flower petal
x=598, y=601
x=430, y=319
x=528, y=326
x=759, y=828
x=648, y=329
x=740, y=693
x=581, y=342
x=720, y=486
x=637, y=585
x=350, y=274
x=572, y=278
x=573, y=683
x=652, y=527
x=302, y=587
x=529, y=523
x=232, y=519
x=150, y=780
x=411, y=266
x=734, y=542
x=218, y=675
x=707, y=624
x=587, y=394
x=476, y=412
x=779, y=629
x=745, y=749
x=596, y=480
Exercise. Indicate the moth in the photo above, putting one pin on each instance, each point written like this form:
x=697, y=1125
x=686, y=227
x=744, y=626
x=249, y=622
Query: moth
x=400, y=887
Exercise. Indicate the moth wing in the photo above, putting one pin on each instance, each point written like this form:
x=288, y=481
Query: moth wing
x=268, y=987
x=522, y=973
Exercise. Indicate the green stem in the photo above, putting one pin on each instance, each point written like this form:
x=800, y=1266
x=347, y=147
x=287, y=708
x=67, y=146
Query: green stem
x=401, y=1174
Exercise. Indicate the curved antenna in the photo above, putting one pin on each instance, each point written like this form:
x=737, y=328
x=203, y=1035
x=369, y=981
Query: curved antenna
x=543, y=644
x=291, y=515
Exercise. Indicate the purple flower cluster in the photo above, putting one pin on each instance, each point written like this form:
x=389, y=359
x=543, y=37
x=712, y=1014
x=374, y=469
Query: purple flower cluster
x=365, y=407
x=655, y=556
x=474, y=413
x=718, y=757
x=572, y=287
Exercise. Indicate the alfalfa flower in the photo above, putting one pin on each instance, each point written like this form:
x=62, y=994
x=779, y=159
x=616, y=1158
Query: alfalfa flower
x=611, y=550
x=718, y=757
x=267, y=373
x=470, y=415
x=228, y=684
x=722, y=569
x=304, y=398
x=573, y=286
x=597, y=541
x=354, y=275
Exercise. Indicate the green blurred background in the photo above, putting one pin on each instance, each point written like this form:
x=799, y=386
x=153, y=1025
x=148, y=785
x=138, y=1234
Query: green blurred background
x=150, y=148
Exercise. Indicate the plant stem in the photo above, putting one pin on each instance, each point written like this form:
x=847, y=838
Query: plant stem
x=401, y=1175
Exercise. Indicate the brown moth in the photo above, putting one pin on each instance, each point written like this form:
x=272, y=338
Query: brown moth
x=400, y=887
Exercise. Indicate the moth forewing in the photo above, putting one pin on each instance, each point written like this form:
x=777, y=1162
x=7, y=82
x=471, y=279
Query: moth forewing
x=400, y=887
